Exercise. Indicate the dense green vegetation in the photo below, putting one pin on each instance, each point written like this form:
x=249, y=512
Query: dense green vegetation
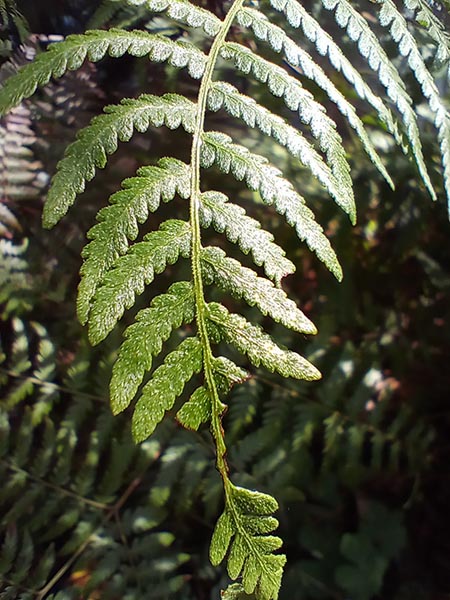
x=356, y=461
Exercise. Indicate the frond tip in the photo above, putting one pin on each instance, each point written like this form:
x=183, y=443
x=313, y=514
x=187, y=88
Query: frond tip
x=241, y=531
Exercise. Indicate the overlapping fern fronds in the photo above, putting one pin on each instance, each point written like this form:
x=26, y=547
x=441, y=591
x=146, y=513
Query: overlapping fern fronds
x=117, y=268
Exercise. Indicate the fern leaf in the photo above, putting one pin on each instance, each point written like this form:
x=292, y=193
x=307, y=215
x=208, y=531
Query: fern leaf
x=425, y=16
x=254, y=115
x=118, y=222
x=101, y=138
x=230, y=275
x=259, y=346
x=310, y=112
x=183, y=12
x=70, y=54
x=348, y=18
x=196, y=410
x=133, y=272
x=242, y=532
x=217, y=148
x=240, y=229
x=297, y=16
x=144, y=339
x=390, y=17
x=167, y=383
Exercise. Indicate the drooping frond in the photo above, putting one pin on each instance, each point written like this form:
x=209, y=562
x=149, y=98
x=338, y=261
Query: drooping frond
x=178, y=335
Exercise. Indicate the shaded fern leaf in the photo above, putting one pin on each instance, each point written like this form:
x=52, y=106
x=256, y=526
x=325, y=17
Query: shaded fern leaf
x=259, y=346
x=119, y=222
x=260, y=175
x=242, y=532
x=101, y=138
x=135, y=270
x=144, y=339
x=93, y=46
x=167, y=383
x=231, y=276
x=240, y=229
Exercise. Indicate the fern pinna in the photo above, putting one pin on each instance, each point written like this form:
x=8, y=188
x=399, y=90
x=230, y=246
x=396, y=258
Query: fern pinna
x=117, y=268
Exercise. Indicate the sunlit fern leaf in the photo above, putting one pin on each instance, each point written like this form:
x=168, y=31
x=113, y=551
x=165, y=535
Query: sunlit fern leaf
x=180, y=11
x=93, y=46
x=166, y=384
x=260, y=175
x=259, y=346
x=101, y=138
x=231, y=276
x=407, y=45
x=242, y=532
x=133, y=271
x=196, y=410
x=254, y=115
x=296, y=98
x=144, y=339
x=240, y=229
x=426, y=17
x=370, y=48
x=119, y=222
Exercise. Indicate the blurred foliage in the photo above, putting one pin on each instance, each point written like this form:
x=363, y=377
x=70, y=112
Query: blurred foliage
x=358, y=462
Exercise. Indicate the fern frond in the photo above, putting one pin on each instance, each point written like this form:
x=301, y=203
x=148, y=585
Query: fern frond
x=167, y=383
x=297, y=16
x=260, y=175
x=182, y=12
x=240, y=229
x=144, y=339
x=101, y=138
x=254, y=115
x=426, y=18
x=196, y=410
x=259, y=346
x=391, y=18
x=135, y=270
x=119, y=222
x=93, y=46
x=359, y=31
x=296, y=98
x=231, y=276
x=242, y=532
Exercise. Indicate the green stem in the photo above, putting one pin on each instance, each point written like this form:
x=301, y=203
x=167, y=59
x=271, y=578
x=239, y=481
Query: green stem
x=216, y=426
